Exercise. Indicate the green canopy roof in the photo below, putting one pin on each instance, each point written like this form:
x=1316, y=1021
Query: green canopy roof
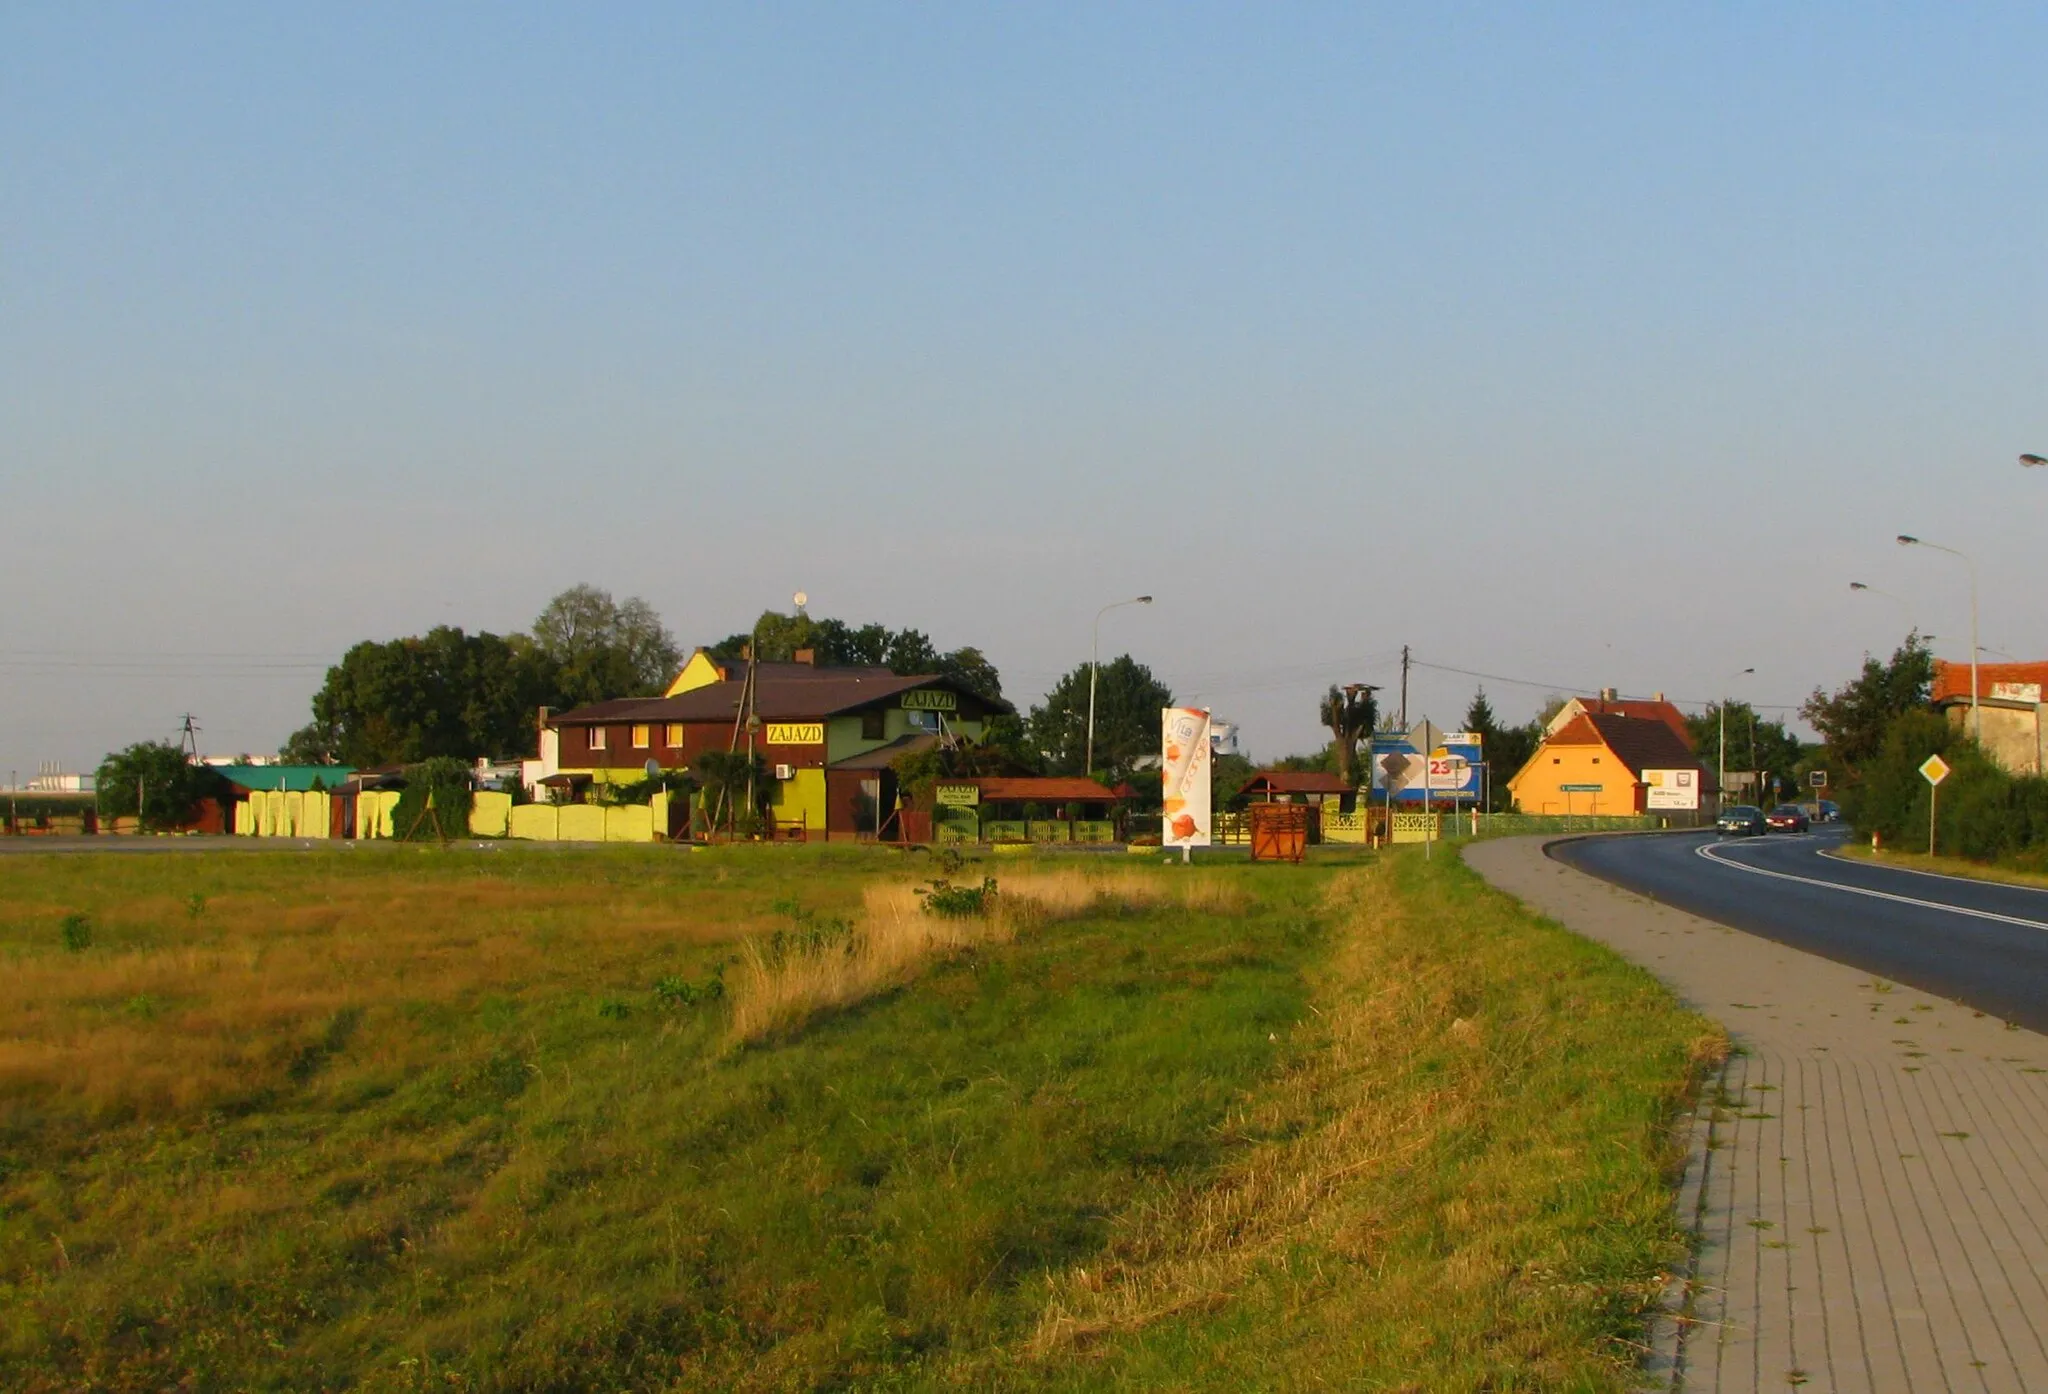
x=292, y=778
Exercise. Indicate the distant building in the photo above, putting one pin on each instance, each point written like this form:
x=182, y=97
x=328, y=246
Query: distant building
x=1606, y=764
x=2009, y=704
x=52, y=778
x=1611, y=703
x=826, y=735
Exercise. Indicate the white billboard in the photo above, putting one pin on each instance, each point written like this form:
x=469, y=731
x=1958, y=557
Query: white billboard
x=1672, y=789
x=1184, y=777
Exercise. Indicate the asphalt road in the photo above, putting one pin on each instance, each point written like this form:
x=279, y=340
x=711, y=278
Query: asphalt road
x=1973, y=942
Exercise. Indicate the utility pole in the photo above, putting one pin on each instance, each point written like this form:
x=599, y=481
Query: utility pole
x=1404, y=688
x=188, y=740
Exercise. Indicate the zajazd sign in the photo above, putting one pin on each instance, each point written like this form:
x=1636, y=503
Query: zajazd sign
x=957, y=795
x=930, y=699
x=796, y=733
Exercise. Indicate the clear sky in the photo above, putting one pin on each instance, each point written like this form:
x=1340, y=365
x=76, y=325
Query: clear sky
x=1584, y=345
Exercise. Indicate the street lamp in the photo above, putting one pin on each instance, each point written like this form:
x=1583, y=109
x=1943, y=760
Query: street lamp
x=1976, y=714
x=2031, y=461
x=1899, y=600
x=1095, y=663
x=1721, y=752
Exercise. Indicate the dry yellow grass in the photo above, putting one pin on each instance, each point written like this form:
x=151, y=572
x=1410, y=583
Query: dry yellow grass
x=895, y=938
x=173, y=1012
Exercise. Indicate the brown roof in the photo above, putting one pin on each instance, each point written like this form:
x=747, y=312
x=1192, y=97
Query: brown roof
x=1952, y=680
x=1038, y=789
x=802, y=694
x=1643, y=709
x=1297, y=782
x=1638, y=742
x=882, y=756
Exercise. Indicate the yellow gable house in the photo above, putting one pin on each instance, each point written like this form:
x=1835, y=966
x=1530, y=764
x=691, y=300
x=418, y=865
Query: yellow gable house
x=1598, y=764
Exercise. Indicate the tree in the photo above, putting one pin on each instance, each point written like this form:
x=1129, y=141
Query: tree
x=834, y=643
x=1505, y=749
x=444, y=693
x=1854, y=719
x=156, y=777
x=1350, y=714
x=1763, y=746
x=1128, y=700
x=602, y=649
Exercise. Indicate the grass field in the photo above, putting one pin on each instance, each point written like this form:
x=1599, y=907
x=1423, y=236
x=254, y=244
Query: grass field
x=638, y=1119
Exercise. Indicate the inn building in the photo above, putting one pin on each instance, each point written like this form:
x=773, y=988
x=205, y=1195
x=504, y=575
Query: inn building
x=828, y=735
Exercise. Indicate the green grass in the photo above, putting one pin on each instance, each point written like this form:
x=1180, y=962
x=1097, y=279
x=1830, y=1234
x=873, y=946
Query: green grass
x=433, y=1126
x=1944, y=865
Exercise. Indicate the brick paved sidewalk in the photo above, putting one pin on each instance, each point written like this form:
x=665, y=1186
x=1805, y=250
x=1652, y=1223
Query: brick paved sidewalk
x=1869, y=1182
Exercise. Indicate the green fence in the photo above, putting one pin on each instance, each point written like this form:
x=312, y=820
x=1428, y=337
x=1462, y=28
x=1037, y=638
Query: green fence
x=1520, y=824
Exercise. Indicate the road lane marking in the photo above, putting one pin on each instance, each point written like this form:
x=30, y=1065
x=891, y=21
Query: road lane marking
x=1709, y=850
x=1834, y=854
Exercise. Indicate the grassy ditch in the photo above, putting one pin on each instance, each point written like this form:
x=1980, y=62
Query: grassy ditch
x=1945, y=865
x=496, y=1120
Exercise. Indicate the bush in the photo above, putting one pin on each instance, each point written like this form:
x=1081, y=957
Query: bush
x=955, y=902
x=435, y=802
x=76, y=932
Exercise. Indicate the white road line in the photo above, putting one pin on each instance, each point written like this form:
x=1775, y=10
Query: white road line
x=1834, y=855
x=1710, y=851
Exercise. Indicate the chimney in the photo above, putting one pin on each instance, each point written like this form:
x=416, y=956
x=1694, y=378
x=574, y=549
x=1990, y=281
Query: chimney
x=545, y=713
x=808, y=657
x=1609, y=694
x=1657, y=697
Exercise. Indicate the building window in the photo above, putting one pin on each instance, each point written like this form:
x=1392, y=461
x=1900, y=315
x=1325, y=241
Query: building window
x=675, y=735
x=1596, y=759
x=641, y=737
x=597, y=738
x=872, y=724
x=1557, y=759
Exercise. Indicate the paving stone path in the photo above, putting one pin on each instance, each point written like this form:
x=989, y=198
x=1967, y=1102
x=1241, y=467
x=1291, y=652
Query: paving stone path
x=1869, y=1178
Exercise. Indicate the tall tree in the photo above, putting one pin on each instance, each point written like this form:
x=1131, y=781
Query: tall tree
x=1764, y=747
x=1128, y=699
x=1854, y=718
x=835, y=643
x=443, y=693
x=603, y=649
x=1349, y=714
x=155, y=777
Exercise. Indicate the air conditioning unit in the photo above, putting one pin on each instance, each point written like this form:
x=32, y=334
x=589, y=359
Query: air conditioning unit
x=785, y=771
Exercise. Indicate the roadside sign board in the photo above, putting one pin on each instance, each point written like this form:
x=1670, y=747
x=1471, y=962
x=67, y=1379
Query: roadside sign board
x=1672, y=789
x=1184, y=776
x=1817, y=778
x=1582, y=788
x=1934, y=769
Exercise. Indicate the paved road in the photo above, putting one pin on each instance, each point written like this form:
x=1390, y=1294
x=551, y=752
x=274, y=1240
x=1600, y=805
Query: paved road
x=1973, y=942
x=1868, y=1177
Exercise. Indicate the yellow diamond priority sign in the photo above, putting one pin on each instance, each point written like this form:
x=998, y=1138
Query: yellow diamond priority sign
x=1934, y=769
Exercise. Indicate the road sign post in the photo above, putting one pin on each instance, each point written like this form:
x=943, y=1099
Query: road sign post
x=1933, y=769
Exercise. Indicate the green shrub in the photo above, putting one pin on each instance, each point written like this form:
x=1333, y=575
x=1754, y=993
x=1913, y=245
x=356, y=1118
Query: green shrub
x=955, y=902
x=435, y=802
x=76, y=931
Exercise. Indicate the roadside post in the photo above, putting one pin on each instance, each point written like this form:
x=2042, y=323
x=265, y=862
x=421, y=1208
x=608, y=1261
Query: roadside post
x=1818, y=781
x=1933, y=769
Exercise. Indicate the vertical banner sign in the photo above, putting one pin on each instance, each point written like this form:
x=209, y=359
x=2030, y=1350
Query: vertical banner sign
x=1184, y=777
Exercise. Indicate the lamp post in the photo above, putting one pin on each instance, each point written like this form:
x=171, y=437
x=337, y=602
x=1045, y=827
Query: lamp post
x=1094, y=664
x=1904, y=605
x=1721, y=744
x=1976, y=713
x=2033, y=461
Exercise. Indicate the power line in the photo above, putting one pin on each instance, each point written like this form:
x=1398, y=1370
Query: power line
x=1574, y=690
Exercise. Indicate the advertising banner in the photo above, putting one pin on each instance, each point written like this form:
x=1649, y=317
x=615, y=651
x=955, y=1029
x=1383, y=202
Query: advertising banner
x=1672, y=789
x=1184, y=776
x=1447, y=767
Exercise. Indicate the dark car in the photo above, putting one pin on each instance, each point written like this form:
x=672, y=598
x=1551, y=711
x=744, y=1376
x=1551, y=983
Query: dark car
x=1828, y=812
x=1787, y=818
x=1742, y=820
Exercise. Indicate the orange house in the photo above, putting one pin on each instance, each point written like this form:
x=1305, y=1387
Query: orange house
x=1595, y=764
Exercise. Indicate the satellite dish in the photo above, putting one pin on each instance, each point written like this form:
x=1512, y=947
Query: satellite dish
x=653, y=767
x=802, y=600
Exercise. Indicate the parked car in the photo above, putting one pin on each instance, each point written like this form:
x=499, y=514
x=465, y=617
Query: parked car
x=1828, y=812
x=1787, y=818
x=1741, y=820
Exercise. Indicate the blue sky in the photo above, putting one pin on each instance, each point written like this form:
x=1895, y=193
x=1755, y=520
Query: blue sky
x=1596, y=346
